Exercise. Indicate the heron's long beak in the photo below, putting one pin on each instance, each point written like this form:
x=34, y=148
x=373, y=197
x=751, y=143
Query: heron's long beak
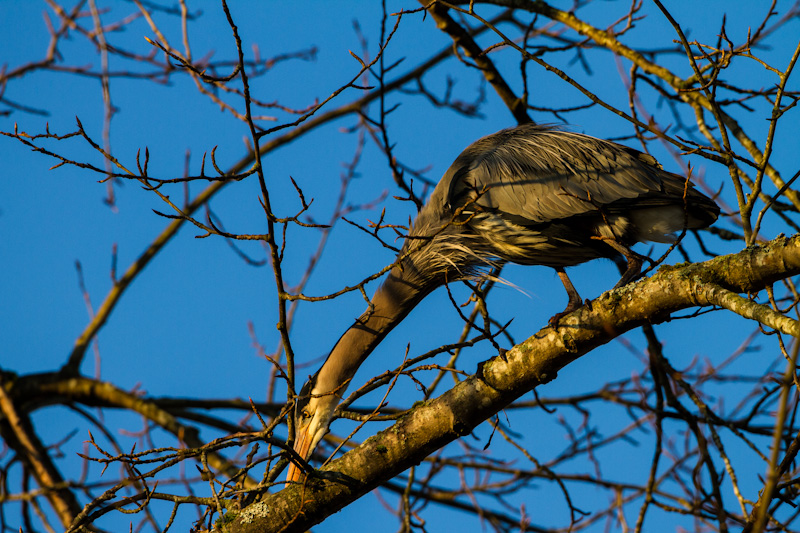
x=302, y=445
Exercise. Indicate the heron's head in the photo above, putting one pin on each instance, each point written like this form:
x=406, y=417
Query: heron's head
x=313, y=413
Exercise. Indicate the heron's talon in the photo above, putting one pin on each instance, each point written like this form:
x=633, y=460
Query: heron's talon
x=502, y=353
x=553, y=322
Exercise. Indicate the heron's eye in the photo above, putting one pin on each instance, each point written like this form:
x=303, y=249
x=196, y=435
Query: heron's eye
x=305, y=414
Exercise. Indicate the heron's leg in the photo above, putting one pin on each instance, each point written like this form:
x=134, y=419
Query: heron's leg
x=574, y=298
x=634, y=261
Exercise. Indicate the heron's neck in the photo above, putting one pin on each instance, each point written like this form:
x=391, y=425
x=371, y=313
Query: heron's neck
x=390, y=304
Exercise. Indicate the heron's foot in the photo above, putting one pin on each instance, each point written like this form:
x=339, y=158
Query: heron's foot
x=502, y=353
x=553, y=322
x=571, y=306
x=575, y=301
x=634, y=261
x=634, y=270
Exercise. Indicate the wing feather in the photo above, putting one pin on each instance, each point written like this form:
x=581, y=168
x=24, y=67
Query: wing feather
x=543, y=174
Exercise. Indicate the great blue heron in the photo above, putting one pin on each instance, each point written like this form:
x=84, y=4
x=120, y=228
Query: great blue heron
x=532, y=195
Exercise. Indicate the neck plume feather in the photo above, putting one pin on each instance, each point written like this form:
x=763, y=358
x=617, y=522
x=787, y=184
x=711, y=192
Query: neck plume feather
x=391, y=303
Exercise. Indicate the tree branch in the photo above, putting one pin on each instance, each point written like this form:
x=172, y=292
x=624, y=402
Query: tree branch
x=501, y=380
x=461, y=38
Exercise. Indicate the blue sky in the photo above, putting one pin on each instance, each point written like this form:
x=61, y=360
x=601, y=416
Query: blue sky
x=182, y=327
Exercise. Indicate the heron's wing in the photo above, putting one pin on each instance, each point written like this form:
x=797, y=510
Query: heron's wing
x=540, y=175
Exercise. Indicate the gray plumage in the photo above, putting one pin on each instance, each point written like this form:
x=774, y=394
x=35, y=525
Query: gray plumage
x=532, y=195
x=540, y=196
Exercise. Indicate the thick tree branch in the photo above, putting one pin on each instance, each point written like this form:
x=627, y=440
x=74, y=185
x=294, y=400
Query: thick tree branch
x=501, y=380
x=18, y=433
x=54, y=388
x=731, y=301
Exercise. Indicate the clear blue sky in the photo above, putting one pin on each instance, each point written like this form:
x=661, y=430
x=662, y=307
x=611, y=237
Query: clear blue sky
x=182, y=328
